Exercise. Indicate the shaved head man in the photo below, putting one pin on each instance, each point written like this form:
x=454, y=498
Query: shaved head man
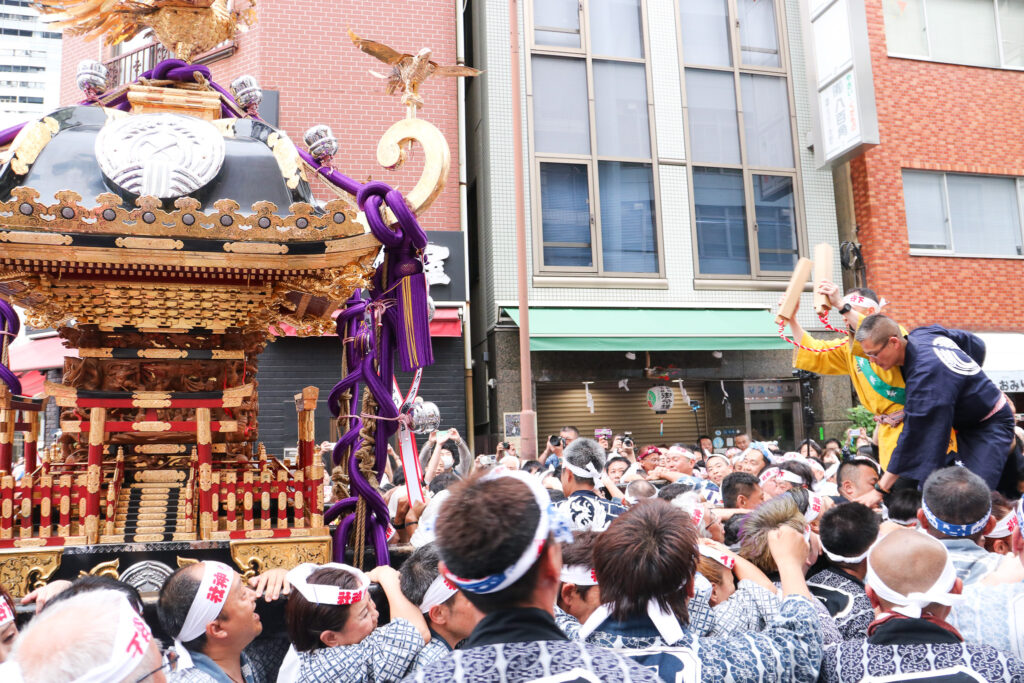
x=912, y=584
x=908, y=561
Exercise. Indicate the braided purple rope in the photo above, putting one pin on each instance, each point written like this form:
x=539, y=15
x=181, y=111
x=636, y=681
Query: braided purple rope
x=10, y=324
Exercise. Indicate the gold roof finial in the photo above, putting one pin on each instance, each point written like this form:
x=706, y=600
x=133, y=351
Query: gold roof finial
x=186, y=28
x=408, y=71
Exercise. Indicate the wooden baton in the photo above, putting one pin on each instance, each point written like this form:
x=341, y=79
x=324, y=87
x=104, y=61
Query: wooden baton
x=801, y=274
x=822, y=271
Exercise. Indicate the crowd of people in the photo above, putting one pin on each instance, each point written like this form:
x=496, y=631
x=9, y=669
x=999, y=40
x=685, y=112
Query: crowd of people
x=895, y=556
x=675, y=563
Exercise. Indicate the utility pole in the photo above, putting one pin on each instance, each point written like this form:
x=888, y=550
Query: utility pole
x=527, y=416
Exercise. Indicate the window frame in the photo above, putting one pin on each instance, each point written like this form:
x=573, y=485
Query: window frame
x=951, y=251
x=737, y=69
x=592, y=160
x=928, y=41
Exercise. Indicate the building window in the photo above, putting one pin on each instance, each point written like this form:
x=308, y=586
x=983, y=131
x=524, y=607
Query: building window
x=956, y=213
x=592, y=148
x=740, y=138
x=973, y=32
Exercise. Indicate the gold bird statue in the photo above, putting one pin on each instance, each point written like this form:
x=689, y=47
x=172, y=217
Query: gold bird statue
x=408, y=71
x=186, y=28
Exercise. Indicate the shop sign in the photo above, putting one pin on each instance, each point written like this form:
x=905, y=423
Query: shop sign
x=660, y=399
x=770, y=391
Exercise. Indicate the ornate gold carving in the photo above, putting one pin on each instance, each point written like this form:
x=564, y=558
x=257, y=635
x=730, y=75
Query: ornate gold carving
x=30, y=142
x=391, y=151
x=24, y=570
x=148, y=243
x=338, y=219
x=334, y=284
x=256, y=248
x=185, y=27
x=186, y=561
x=287, y=157
x=256, y=555
x=105, y=569
x=20, y=237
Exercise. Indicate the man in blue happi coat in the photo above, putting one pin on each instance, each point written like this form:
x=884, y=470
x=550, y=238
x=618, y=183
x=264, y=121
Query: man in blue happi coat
x=946, y=389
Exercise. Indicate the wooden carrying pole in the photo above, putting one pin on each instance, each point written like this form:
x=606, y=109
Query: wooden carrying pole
x=822, y=271
x=801, y=274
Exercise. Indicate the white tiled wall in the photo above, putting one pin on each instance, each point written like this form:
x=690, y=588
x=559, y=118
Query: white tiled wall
x=497, y=198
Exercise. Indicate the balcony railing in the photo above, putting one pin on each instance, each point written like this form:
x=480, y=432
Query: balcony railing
x=129, y=66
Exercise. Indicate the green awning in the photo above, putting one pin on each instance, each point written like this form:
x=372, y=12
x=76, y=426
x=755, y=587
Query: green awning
x=650, y=329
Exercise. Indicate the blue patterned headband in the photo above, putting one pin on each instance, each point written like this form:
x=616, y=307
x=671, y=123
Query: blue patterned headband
x=955, y=530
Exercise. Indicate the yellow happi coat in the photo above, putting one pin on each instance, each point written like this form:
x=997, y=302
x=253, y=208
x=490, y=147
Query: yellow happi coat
x=841, y=361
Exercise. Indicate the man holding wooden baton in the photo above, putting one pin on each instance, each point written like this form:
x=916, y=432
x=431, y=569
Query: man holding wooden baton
x=880, y=391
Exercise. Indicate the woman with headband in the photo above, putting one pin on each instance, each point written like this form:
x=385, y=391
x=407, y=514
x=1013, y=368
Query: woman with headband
x=743, y=598
x=332, y=624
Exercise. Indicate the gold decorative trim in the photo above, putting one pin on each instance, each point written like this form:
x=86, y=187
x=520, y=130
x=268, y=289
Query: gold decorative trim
x=288, y=159
x=105, y=569
x=20, y=237
x=257, y=556
x=148, y=243
x=24, y=570
x=108, y=216
x=31, y=141
x=255, y=248
x=391, y=152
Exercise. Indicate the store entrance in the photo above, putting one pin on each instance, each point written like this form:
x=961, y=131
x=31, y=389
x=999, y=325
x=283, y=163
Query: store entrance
x=774, y=421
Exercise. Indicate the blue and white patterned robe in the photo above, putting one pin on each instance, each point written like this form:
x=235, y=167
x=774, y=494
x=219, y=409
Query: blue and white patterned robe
x=384, y=655
x=992, y=615
x=845, y=599
x=789, y=650
x=918, y=650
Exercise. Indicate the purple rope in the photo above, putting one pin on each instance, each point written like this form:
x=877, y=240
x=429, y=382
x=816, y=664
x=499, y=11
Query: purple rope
x=11, y=325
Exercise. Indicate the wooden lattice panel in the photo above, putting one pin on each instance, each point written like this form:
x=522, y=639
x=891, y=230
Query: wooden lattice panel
x=162, y=305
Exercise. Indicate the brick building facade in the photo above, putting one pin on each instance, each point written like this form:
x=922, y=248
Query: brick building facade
x=938, y=117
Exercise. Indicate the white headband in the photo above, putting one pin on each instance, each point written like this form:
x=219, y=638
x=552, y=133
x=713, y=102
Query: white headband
x=206, y=607
x=130, y=646
x=690, y=455
x=131, y=643
x=784, y=475
x=718, y=556
x=441, y=590
x=845, y=560
x=549, y=522
x=590, y=472
x=1003, y=529
x=322, y=594
x=6, y=613
x=911, y=605
x=579, y=574
x=716, y=455
x=862, y=301
x=815, y=506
